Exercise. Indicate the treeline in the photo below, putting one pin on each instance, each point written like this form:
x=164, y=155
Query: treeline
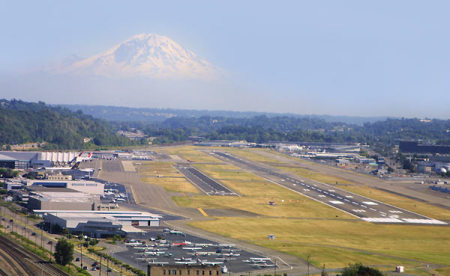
x=24, y=122
x=382, y=134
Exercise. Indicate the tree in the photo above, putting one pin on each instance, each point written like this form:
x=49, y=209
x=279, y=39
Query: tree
x=63, y=252
x=8, y=173
x=360, y=270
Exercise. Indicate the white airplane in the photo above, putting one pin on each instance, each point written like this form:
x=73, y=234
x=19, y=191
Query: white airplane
x=132, y=244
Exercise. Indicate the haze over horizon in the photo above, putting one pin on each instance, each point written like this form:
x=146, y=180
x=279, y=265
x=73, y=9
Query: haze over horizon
x=348, y=58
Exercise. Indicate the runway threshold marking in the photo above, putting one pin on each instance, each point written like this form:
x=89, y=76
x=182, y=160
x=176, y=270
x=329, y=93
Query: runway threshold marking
x=202, y=211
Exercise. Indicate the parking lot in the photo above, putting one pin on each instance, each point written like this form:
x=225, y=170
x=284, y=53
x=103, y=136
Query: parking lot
x=174, y=247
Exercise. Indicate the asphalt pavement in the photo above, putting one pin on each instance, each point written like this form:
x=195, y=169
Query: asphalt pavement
x=359, y=206
x=205, y=183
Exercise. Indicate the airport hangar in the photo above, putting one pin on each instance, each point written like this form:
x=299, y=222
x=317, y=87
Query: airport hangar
x=99, y=223
x=84, y=186
x=22, y=160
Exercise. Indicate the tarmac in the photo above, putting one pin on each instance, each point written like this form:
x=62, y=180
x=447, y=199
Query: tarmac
x=359, y=206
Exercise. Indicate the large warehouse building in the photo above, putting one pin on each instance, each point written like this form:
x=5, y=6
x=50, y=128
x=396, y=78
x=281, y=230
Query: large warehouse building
x=17, y=159
x=85, y=186
x=100, y=223
x=24, y=159
x=415, y=147
x=60, y=199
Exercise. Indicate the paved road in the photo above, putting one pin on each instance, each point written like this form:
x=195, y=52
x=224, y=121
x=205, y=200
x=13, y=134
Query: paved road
x=359, y=206
x=24, y=227
x=205, y=183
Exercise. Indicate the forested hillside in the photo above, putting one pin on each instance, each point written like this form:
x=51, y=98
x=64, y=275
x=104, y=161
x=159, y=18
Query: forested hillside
x=284, y=128
x=23, y=122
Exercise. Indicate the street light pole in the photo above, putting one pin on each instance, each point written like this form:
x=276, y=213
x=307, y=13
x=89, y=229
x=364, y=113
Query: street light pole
x=81, y=260
x=307, y=259
x=275, y=268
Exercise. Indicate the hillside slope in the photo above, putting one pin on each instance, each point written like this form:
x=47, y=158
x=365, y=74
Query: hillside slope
x=23, y=122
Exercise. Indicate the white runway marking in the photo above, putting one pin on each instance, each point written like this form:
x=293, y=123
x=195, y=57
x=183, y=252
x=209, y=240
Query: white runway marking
x=370, y=203
x=359, y=210
x=331, y=190
x=349, y=196
x=322, y=196
x=395, y=212
x=391, y=220
x=336, y=202
x=423, y=221
x=306, y=190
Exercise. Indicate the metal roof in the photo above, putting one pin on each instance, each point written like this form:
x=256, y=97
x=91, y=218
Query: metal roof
x=17, y=155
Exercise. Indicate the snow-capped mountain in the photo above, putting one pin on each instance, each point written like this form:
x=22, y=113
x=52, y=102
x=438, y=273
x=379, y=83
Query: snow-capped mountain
x=148, y=55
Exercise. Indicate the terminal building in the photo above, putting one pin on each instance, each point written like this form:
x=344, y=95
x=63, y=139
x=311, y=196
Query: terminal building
x=99, y=223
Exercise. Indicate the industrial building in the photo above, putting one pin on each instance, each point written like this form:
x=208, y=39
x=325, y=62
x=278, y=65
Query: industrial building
x=17, y=159
x=189, y=270
x=41, y=198
x=415, y=147
x=22, y=160
x=99, y=223
x=85, y=186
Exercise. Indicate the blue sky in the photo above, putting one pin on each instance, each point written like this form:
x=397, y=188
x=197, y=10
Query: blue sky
x=311, y=57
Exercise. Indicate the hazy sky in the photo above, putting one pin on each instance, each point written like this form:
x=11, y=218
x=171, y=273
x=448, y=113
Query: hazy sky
x=310, y=57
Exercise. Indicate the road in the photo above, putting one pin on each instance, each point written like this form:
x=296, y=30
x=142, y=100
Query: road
x=26, y=228
x=359, y=206
x=203, y=182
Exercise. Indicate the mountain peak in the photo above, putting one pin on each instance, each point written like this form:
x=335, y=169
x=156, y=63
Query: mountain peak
x=145, y=55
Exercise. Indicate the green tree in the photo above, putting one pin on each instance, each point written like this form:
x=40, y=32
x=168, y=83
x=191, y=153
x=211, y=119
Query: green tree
x=360, y=270
x=8, y=173
x=63, y=252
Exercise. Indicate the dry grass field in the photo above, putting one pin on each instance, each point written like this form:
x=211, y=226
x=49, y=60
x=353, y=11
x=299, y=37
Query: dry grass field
x=337, y=243
x=165, y=175
x=191, y=154
x=304, y=227
x=393, y=199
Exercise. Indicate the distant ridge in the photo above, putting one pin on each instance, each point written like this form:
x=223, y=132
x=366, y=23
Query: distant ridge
x=153, y=115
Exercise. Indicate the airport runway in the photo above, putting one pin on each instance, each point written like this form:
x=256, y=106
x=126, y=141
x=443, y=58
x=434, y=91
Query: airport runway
x=359, y=206
x=205, y=183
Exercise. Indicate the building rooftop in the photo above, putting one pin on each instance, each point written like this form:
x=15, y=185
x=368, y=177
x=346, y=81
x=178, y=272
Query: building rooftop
x=53, y=189
x=17, y=155
x=62, y=196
